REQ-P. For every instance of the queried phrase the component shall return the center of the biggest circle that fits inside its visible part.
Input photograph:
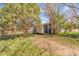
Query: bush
(69, 34)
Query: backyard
(39, 29)
(39, 45)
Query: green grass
(23, 46)
(66, 38)
(69, 34)
(71, 38)
(19, 46)
(73, 41)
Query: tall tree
(20, 15)
(52, 17)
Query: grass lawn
(70, 38)
(70, 41)
(23, 46)
(19, 46)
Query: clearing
(39, 45)
(56, 45)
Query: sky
(65, 10)
(1, 4)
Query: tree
(19, 15)
(69, 26)
(51, 14)
(60, 21)
(75, 18)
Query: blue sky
(67, 11)
(1, 4)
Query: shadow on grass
(7, 37)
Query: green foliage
(69, 25)
(69, 34)
(19, 46)
(19, 15)
(70, 41)
(64, 24)
(60, 19)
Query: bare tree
(74, 9)
(51, 15)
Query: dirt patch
(53, 47)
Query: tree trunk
(51, 13)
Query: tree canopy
(20, 15)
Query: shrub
(69, 34)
